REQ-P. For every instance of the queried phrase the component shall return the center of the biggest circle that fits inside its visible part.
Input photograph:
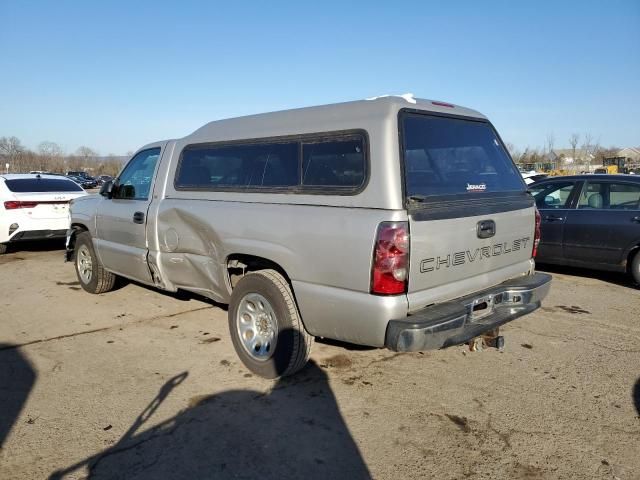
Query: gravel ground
(137, 383)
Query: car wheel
(3, 248)
(265, 325)
(635, 267)
(92, 276)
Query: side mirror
(106, 190)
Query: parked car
(83, 182)
(323, 222)
(590, 221)
(101, 179)
(533, 176)
(83, 175)
(34, 207)
(77, 173)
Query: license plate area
(483, 306)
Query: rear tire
(91, 274)
(635, 267)
(265, 325)
(3, 248)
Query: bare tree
(551, 140)
(514, 152)
(589, 148)
(84, 156)
(12, 150)
(573, 141)
(50, 156)
(11, 146)
(86, 153)
(50, 149)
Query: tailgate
(449, 259)
(471, 221)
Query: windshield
(450, 156)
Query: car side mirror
(106, 190)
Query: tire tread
(302, 340)
(105, 280)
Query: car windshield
(450, 156)
(29, 185)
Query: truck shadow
(616, 278)
(636, 396)
(181, 295)
(293, 431)
(17, 378)
(37, 245)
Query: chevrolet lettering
(460, 258)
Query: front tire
(635, 267)
(3, 248)
(91, 274)
(265, 325)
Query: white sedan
(532, 176)
(35, 207)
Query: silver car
(392, 222)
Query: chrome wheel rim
(257, 326)
(84, 264)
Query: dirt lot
(140, 384)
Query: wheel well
(239, 264)
(77, 228)
(632, 254)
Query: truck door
(121, 220)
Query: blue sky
(115, 75)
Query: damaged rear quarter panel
(315, 244)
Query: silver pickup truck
(391, 222)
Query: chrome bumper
(458, 321)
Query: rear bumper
(455, 322)
(37, 235)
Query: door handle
(636, 219)
(553, 218)
(138, 217)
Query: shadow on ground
(345, 345)
(17, 378)
(37, 245)
(616, 278)
(181, 295)
(293, 431)
(636, 396)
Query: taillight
(12, 205)
(390, 272)
(536, 235)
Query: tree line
(50, 157)
(585, 151)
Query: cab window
(134, 183)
